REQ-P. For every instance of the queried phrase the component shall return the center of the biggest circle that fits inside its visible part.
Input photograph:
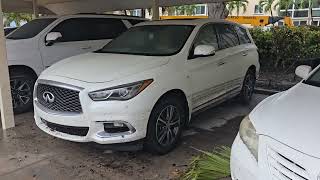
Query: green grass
(210, 165)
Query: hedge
(284, 47)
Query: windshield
(31, 29)
(314, 80)
(150, 40)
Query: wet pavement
(26, 153)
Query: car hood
(292, 117)
(104, 67)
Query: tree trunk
(218, 10)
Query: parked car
(44, 41)
(8, 30)
(146, 83)
(279, 139)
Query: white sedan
(146, 83)
(280, 138)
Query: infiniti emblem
(48, 97)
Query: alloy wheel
(21, 92)
(168, 125)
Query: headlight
(120, 93)
(249, 136)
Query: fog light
(115, 127)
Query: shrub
(283, 47)
(214, 165)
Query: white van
(44, 41)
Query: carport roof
(90, 6)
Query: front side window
(31, 29)
(228, 36)
(314, 80)
(84, 29)
(243, 35)
(207, 36)
(150, 40)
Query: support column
(155, 10)
(35, 8)
(6, 109)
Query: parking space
(28, 153)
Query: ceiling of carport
(90, 6)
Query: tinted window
(228, 36)
(8, 30)
(135, 21)
(31, 29)
(243, 35)
(207, 36)
(150, 40)
(83, 29)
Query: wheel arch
(23, 69)
(182, 95)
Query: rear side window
(227, 36)
(84, 29)
(243, 35)
(135, 21)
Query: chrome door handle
(221, 63)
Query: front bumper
(93, 117)
(276, 161)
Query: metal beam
(5, 91)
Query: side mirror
(52, 37)
(204, 51)
(303, 71)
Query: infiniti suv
(146, 83)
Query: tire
(22, 85)
(163, 124)
(248, 87)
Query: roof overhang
(90, 6)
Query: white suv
(146, 83)
(44, 41)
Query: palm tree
(284, 4)
(237, 5)
(267, 5)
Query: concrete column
(155, 10)
(6, 109)
(35, 8)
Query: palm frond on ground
(210, 165)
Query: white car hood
(103, 67)
(293, 118)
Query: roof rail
(120, 15)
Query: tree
(267, 5)
(186, 9)
(218, 10)
(284, 4)
(17, 18)
(237, 5)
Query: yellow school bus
(249, 20)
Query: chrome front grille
(65, 100)
(283, 168)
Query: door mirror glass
(204, 50)
(303, 71)
(52, 37)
